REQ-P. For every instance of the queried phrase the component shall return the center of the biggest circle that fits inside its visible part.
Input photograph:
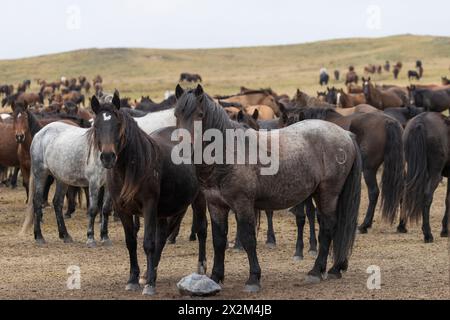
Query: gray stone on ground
(198, 285)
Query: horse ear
(178, 91)
(240, 116)
(198, 91)
(116, 99)
(95, 104)
(255, 114)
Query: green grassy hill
(284, 68)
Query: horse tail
(347, 211)
(29, 213)
(392, 181)
(417, 171)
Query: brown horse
(264, 112)
(344, 100)
(351, 76)
(8, 146)
(354, 89)
(253, 98)
(381, 99)
(303, 100)
(380, 139)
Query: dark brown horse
(427, 151)
(351, 76)
(190, 77)
(381, 99)
(434, 99)
(153, 187)
(380, 139)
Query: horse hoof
(313, 253)
(107, 243)
(201, 268)
(429, 239)
(91, 243)
(132, 287)
(252, 288)
(149, 290)
(298, 258)
(334, 276)
(312, 279)
(40, 242)
(68, 239)
(362, 230)
(444, 234)
(402, 230)
(67, 216)
(271, 245)
(192, 237)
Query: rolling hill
(284, 68)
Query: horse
(63, 151)
(335, 183)
(74, 96)
(343, 100)
(303, 100)
(413, 75)
(387, 66)
(324, 78)
(427, 143)
(354, 89)
(154, 186)
(263, 112)
(148, 105)
(445, 81)
(190, 77)
(370, 69)
(351, 76)
(381, 99)
(8, 146)
(435, 99)
(397, 68)
(403, 115)
(253, 98)
(380, 139)
(337, 75)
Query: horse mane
(214, 116)
(230, 104)
(33, 123)
(136, 155)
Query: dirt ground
(409, 268)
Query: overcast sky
(30, 27)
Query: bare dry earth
(410, 269)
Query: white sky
(30, 27)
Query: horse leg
(370, 177)
(58, 202)
(150, 248)
(106, 209)
(13, 178)
(39, 182)
(429, 192)
(48, 183)
(174, 227)
(200, 228)
(237, 240)
(444, 232)
(71, 206)
(299, 212)
(219, 224)
(271, 241)
(310, 213)
(92, 213)
(192, 236)
(247, 232)
(131, 241)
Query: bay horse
(351, 77)
(380, 139)
(381, 99)
(344, 100)
(334, 184)
(427, 150)
(154, 186)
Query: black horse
(403, 115)
(413, 75)
(427, 152)
(154, 186)
(437, 100)
(324, 78)
(190, 77)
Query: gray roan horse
(63, 151)
(315, 158)
(143, 180)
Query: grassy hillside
(284, 68)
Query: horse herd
(121, 156)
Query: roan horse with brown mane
(304, 170)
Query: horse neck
(217, 118)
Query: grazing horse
(413, 75)
(380, 140)
(63, 151)
(381, 99)
(304, 170)
(435, 99)
(154, 186)
(190, 77)
(427, 151)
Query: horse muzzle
(108, 159)
(20, 138)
